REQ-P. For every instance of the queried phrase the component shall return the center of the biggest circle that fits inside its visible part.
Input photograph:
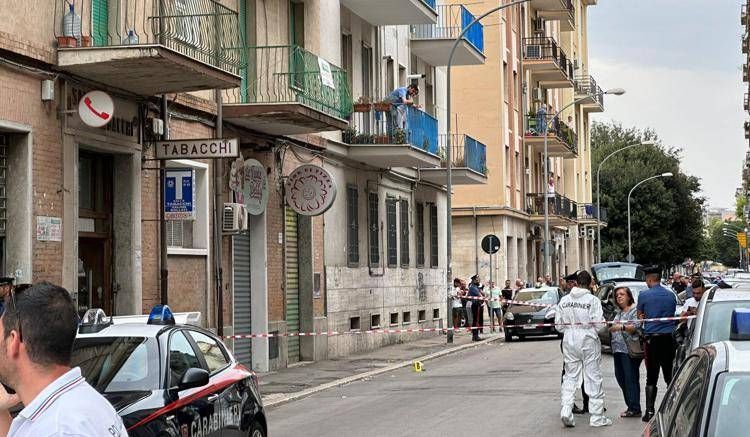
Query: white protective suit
(581, 351)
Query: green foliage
(666, 213)
(724, 249)
(739, 209)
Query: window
(690, 404)
(374, 321)
(670, 404)
(422, 315)
(436, 314)
(389, 74)
(420, 234)
(181, 357)
(117, 364)
(407, 317)
(354, 324)
(394, 319)
(366, 70)
(392, 240)
(373, 230)
(729, 412)
(212, 352)
(346, 57)
(433, 236)
(190, 237)
(352, 218)
(180, 233)
(404, 220)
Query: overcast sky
(681, 64)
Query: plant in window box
(363, 105)
(350, 133)
(383, 106)
(443, 156)
(399, 136)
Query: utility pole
(163, 260)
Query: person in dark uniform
(657, 302)
(569, 283)
(6, 285)
(476, 307)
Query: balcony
(394, 12)
(433, 42)
(587, 214)
(745, 75)
(384, 136)
(548, 62)
(562, 140)
(469, 162)
(747, 102)
(560, 10)
(591, 93)
(150, 48)
(289, 91)
(562, 211)
(746, 43)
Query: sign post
(490, 246)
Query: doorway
(95, 236)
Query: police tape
(453, 329)
(504, 301)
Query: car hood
(121, 400)
(528, 310)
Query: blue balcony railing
(466, 152)
(452, 20)
(430, 3)
(382, 123)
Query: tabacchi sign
(310, 190)
(198, 149)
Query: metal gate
(292, 284)
(241, 281)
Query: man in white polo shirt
(37, 330)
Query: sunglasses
(13, 291)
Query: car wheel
(256, 430)
(508, 337)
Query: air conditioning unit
(533, 51)
(537, 94)
(592, 233)
(582, 232)
(235, 218)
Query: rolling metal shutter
(292, 284)
(241, 281)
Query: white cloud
(697, 110)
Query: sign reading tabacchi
(198, 149)
(310, 190)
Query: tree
(666, 213)
(725, 249)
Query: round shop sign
(96, 108)
(310, 190)
(255, 187)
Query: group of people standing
(469, 301)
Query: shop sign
(198, 149)
(120, 118)
(179, 194)
(255, 187)
(96, 108)
(310, 190)
(48, 228)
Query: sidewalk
(307, 378)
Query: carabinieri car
(168, 379)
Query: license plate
(529, 327)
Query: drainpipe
(476, 239)
(218, 209)
(163, 261)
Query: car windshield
(729, 411)
(117, 364)
(537, 296)
(716, 323)
(619, 271)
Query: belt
(658, 335)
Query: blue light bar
(740, 325)
(161, 315)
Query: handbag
(634, 343)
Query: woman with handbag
(627, 349)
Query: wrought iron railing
(291, 74)
(571, 10)
(452, 20)
(546, 48)
(587, 85)
(589, 212)
(384, 123)
(559, 205)
(204, 30)
(747, 102)
(466, 152)
(535, 127)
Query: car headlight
(509, 316)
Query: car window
(670, 405)
(717, 320)
(729, 410)
(117, 364)
(549, 296)
(691, 400)
(603, 293)
(212, 351)
(181, 357)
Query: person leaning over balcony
(399, 99)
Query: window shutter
(433, 236)
(373, 229)
(390, 210)
(100, 22)
(420, 234)
(404, 216)
(352, 216)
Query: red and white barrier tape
(508, 301)
(424, 330)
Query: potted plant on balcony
(350, 134)
(399, 136)
(382, 106)
(364, 104)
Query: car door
(609, 311)
(229, 380)
(686, 423)
(670, 406)
(198, 413)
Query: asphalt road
(492, 390)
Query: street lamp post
(598, 195)
(630, 243)
(547, 251)
(449, 163)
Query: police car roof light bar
(161, 315)
(740, 325)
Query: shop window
(190, 237)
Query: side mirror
(193, 377)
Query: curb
(270, 402)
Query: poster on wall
(48, 228)
(255, 187)
(179, 194)
(326, 74)
(310, 190)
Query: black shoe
(577, 410)
(650, 402)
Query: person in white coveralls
(581, 350)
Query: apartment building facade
(297, 83)
(537, 65)
(744, 190)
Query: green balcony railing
(291, 74)
(204, 30)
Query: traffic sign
(742, 237)
(490, 244)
